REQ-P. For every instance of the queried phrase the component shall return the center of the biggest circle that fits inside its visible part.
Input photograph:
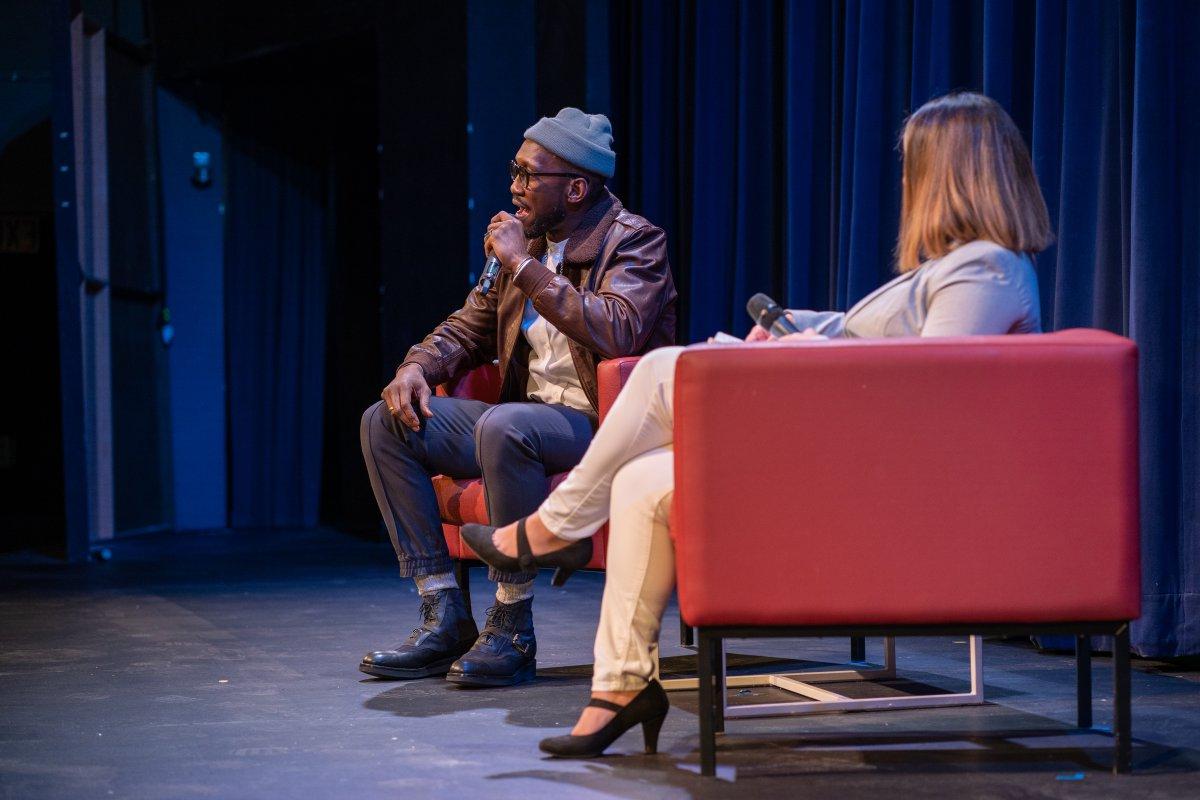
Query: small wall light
(201, 169)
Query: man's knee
(370, 418)
(501, 430)
(374, 424)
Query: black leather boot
(447, 631)
(504, 654)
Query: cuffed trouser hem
(627, 683)
(420, 567)
(510, 577)
(563, 525)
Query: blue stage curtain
(762, 135)
(276, 284)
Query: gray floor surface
(224, 665)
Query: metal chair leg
(708, 741)
(718, 654)
(687, 635)
(1083, 680)
(1123, 744)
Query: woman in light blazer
(971, 216)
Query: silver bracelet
(521, 266)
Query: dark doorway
(31, 475)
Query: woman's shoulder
(980, 259)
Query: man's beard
(544, 222)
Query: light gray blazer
(976, 288)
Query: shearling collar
(584, 243)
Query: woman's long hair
(967, 176)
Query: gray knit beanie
(584, 140)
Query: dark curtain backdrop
(276, 287)
(762, 136)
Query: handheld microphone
(490, 270)
(767, 314)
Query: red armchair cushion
(942, 481)
(462, 500)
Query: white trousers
(627, 477)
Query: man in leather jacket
(582, 279)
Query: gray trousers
(514, 447)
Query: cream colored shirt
(552, 375)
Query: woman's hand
(807, 334)
(760, 334)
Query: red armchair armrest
(611, 376)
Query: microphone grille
(763, 310)
(757, 304)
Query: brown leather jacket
(614, 296)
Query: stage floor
(225, 665)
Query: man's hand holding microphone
(505, 239)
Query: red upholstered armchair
(462, 500)
(890, 487)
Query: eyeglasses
(522, 175)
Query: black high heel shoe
(567, 559)
(649, 707)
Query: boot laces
(429, 606)
(501, 619)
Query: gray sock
(509, 593)
(428, 584)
